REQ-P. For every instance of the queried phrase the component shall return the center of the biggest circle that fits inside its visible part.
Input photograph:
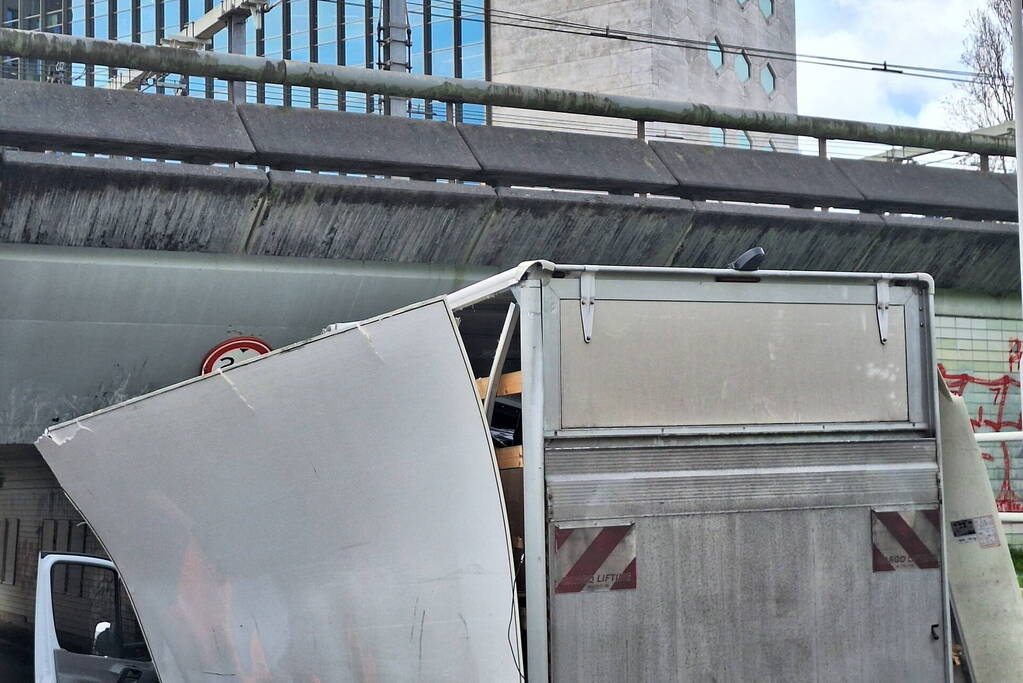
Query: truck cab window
(98, 619)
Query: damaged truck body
(718, 475)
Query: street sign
(231, 351)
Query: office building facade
(670, 49)
(733, 53)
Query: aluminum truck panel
(780, 596)
(988, 603)
(605, 482)
(327, 512)
(657, 363)
(741, 477)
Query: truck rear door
(741, 478)
(328, 512)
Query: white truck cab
(85, 626)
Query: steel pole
(395, 43)
(1017, 102)
(236, 45)
(56, 47)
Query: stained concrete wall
(530, 57)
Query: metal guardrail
(232, 67)
(992, 437)
(988, 437)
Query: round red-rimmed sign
(231, 351)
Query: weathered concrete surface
(705, 172)
(73, 201)
(570, 227)
(934, 191)
(89, 202)
(1007, 179)
(980, 257)
(794, 239)
(88, 328)
(290, 138)
(356, 219)
(39, 116)
(521, 156)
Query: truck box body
(746, 436)
(726, 476)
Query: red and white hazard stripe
(905, 539)
(594, 558)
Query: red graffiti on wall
(1007, 499)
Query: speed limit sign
(231, 351)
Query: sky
(917, 32)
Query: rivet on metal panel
(587, 299)
(883, 300)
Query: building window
(66, 535)
(448, 38)
(742, 67)
(767, 7)
(9, 550)
(744, 141)
(717, 136)
(768, 78)
(716, 53)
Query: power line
(574, 28)
(475, 13)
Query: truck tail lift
(719, 475)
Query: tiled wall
(979, 358)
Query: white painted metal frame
(500, 355)
(998, 437)
(529, 295)
(505, 280)
(46, 642)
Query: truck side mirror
(104, 641)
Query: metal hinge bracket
(883, 302)
(587, 300)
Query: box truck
(719, 475)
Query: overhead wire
(576, 28)
(528, 21)
(450, 9)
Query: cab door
(85, 627)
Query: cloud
(914, 32)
